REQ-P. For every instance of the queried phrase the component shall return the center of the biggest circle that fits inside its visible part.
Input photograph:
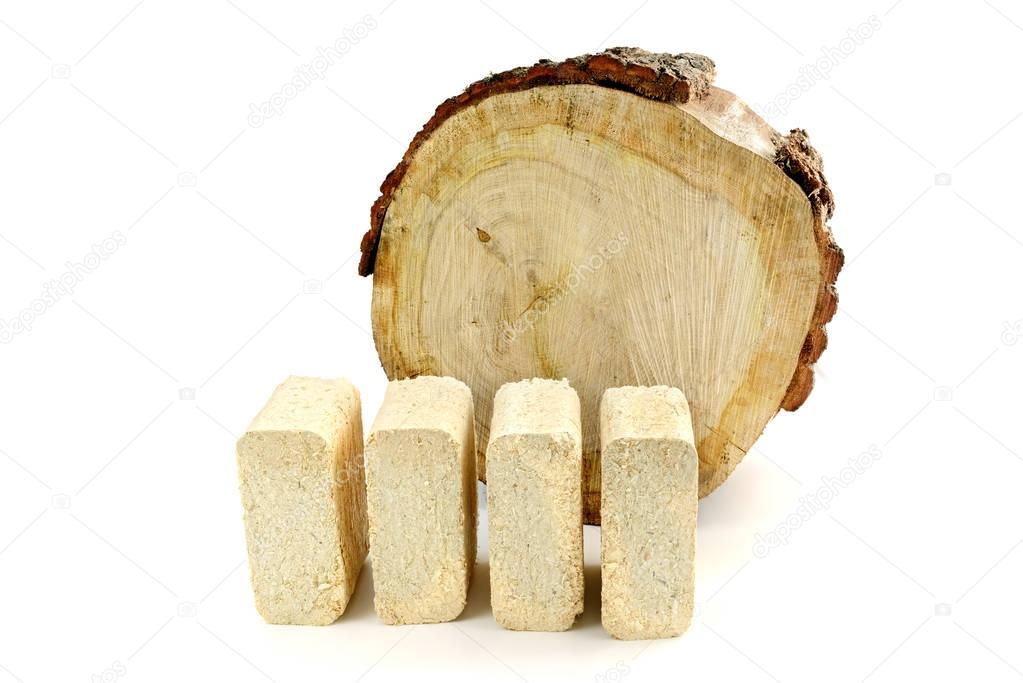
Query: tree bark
(614, 219)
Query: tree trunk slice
(616, 220)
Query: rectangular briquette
(303, 492)
(648, 498)
(534, 504)
(421, 493)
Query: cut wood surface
(612, 219)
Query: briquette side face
(301, 482)
(534, 503)
(421, 488)
(649, 503)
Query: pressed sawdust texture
(534, 505)
(300, 470)
(648, 503)
(421, 492)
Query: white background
(121, 545)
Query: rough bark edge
(658, 76)
(803, 164)
(665, 77)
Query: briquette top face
(657, 412)
(309, 404)
(426, 403)
(536, 407)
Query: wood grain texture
(612, 219)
